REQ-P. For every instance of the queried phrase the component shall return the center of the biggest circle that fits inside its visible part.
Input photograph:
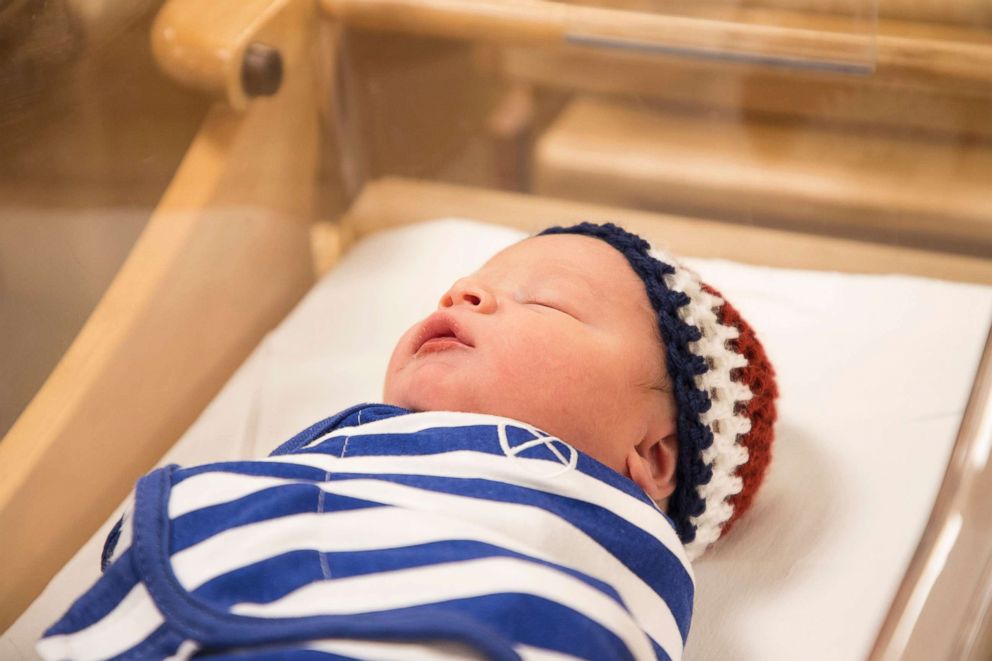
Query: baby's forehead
(585, 261)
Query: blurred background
(90, 135)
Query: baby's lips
(441, 324)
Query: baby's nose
(472, 293)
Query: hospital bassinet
(761, 133)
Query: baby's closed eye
(554, 307)
(558, 307)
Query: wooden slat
(962, 12)
(224, 257)
(923, 192)
(392, 202)
(920, 54)
(856, 101)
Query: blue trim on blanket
(98, 601)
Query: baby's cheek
(537, 353)
(549, 365)
(396, 360)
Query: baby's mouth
(439, 332)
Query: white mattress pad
(874, 373)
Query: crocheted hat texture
(723, 384)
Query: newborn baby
(574, 423)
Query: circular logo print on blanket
(538, 453)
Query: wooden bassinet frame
(227, 254)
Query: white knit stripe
(129, 623)
(413, 422)
(728, 393)
(209, 489)
(427, 516)
(457, 580)
(725, 455)
(375, 650)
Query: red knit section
(759, 376)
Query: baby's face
(555, 331)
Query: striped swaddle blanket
(380, 533)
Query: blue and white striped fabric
(380, 533)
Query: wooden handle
(231, 49)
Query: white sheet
(874, 373)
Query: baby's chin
(440, 398)
(438, 385)
(427, 395)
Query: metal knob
(261, 70)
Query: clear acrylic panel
(831, 35)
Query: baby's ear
(651, 465)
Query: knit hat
(723, 384)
